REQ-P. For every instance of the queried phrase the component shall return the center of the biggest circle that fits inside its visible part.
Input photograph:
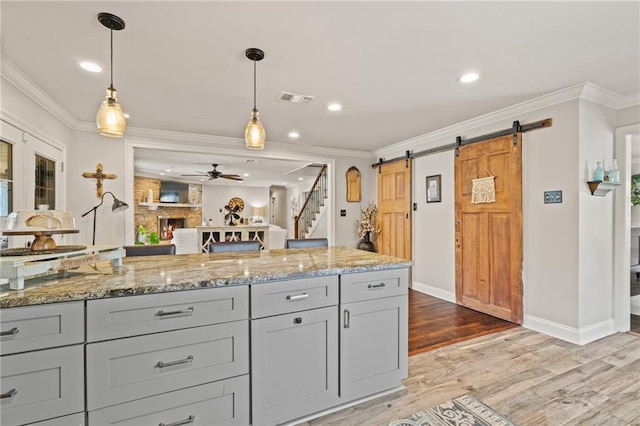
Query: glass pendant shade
(110, 117)
(255, 135)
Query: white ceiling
(393, 65)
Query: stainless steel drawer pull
(187, 311)
(162, 364)
(298, 296)
(347, 318)
(9, 394)
(186, 421)
(381, 285)
(12, 332)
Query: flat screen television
(174, 192)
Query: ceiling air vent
(295, 98)
(251, 161)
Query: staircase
(313, 201)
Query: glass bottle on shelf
(614, 173)
(598, 173)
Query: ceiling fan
(215, 174)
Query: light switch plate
(552, 197)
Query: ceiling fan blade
(201, 174)
(233, 177)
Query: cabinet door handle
(186, 421)
(298, 296)
(347, 318)
(162, 364)
(381, 285)
(9, 394)
(188, 311)
(12, 332)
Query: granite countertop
(158, 274)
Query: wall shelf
(602, 188)
(154, 206)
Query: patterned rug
(463, 411)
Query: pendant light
(254, 135)
(110, 117)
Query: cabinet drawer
(221, 403)
(39, 327)
(138, 367)
(373, 285)
(292, 296)
(41, 385)
(152, 313)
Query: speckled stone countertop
(158, 274)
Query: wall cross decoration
(99, 176)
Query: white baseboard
(580, 336)
(635, 305)
(449, 296)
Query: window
(45, 192)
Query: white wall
(89, 149)
(346, 230)
(628, 116)
(278, 209)
(215, 197)
(434, 228)
(595, 246)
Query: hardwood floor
(434, 323)
(531, 378)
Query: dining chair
(306, 243)
(231, 246)
(149, 250)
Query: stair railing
(312, 202)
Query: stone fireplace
(166, 226)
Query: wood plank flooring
(435, 322)
(531, 378)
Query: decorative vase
(366, 243)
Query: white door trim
(622, 229)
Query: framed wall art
(433, 189)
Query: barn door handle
(12, 332)
(347, 319)
(186, 421)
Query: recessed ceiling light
(246, 175)
(167, 170)
(294, 134)
(300, 178)
(201, 180)
(90, 66)
(334, 107)
(126, 115)
(469, 77)
(161, 174)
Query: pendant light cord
(111, 31)
(254, 84)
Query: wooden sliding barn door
(488, 236)
(394, 209)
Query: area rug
(463, 411)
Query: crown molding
(587, 90)
(232, 145)
(22, 82)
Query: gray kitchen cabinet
(40, 385)
(294, 348)
(38, 327)
(294, 365)
(373, 332)
(224, 403)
